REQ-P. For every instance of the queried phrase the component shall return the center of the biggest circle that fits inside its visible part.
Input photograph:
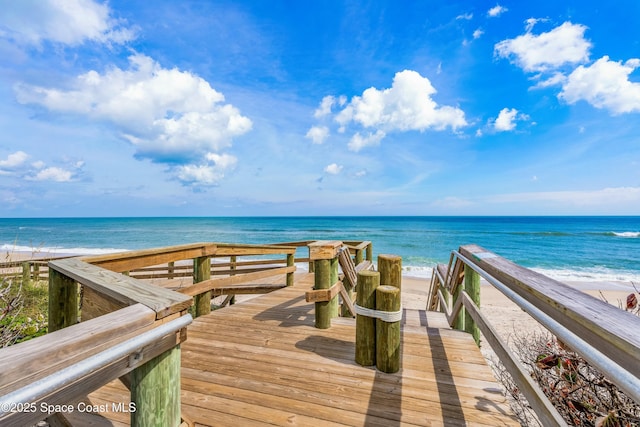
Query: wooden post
(322, 280)
(368, 282)
(171, 268)
(390, 268)
(290, 263)
(359, 256)
(36, 272)
(233, 267)
(63, 301)
(155, 390)
(370, 252)
(26, 273)
(202, 272)
(324, 255)
(334, 304)
(472, 288)
(387, 333)
(459, 320)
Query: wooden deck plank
(262, 362)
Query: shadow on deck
(262, 362)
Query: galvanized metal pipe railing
(42, 388)
(627, 382)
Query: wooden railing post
(155, 391)
(390, 268)
(368, 282)
(290, 263)
(324, 255)
(472, 288)
(370, 252)
(171, 268)
(26, 273)
(388, 333)
(359, 256)
(233, 259)
(202, 272)
(63, 301)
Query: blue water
(566, 248)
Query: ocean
(564, 248)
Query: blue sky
(226, 108)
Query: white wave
(58, 250)
(627, 234)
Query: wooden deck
(263, 362)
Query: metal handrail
(43, 387)
(620, 376)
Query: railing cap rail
(613, 331)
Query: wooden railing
(128, 328)
(605, 336)
(133, 333)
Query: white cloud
(333, 169)
(209, 173)
(604, 84)
(53, 174)
(531, 22)
(325, 106)
(562, 45)
(318, 134)
(361, 173)
(14, 160)
(506, 119)
(497, 10)
(478, 33)
(358, 142)
(170, 115)
(407, 105)
(70, 22)
(465, 16)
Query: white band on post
(385, 316)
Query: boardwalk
(263, 362)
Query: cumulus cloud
(604, 84)
(496, 11)
(69, 22)
(327, 103)
(562, 45)
(318, 134)
(506, 119)
(170, 116)
(211, 172)
(13, 160)
(16, 165)
(478, 33)
(407, 105)
(53, 174)
(333, 169)
(358, 142)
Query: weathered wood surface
(124, 289)
(262, 362)
(21, 363)
(127, 261)
(231, 282)
(614, 332)
(324, 249)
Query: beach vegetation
(582, 395)
(23, 310)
